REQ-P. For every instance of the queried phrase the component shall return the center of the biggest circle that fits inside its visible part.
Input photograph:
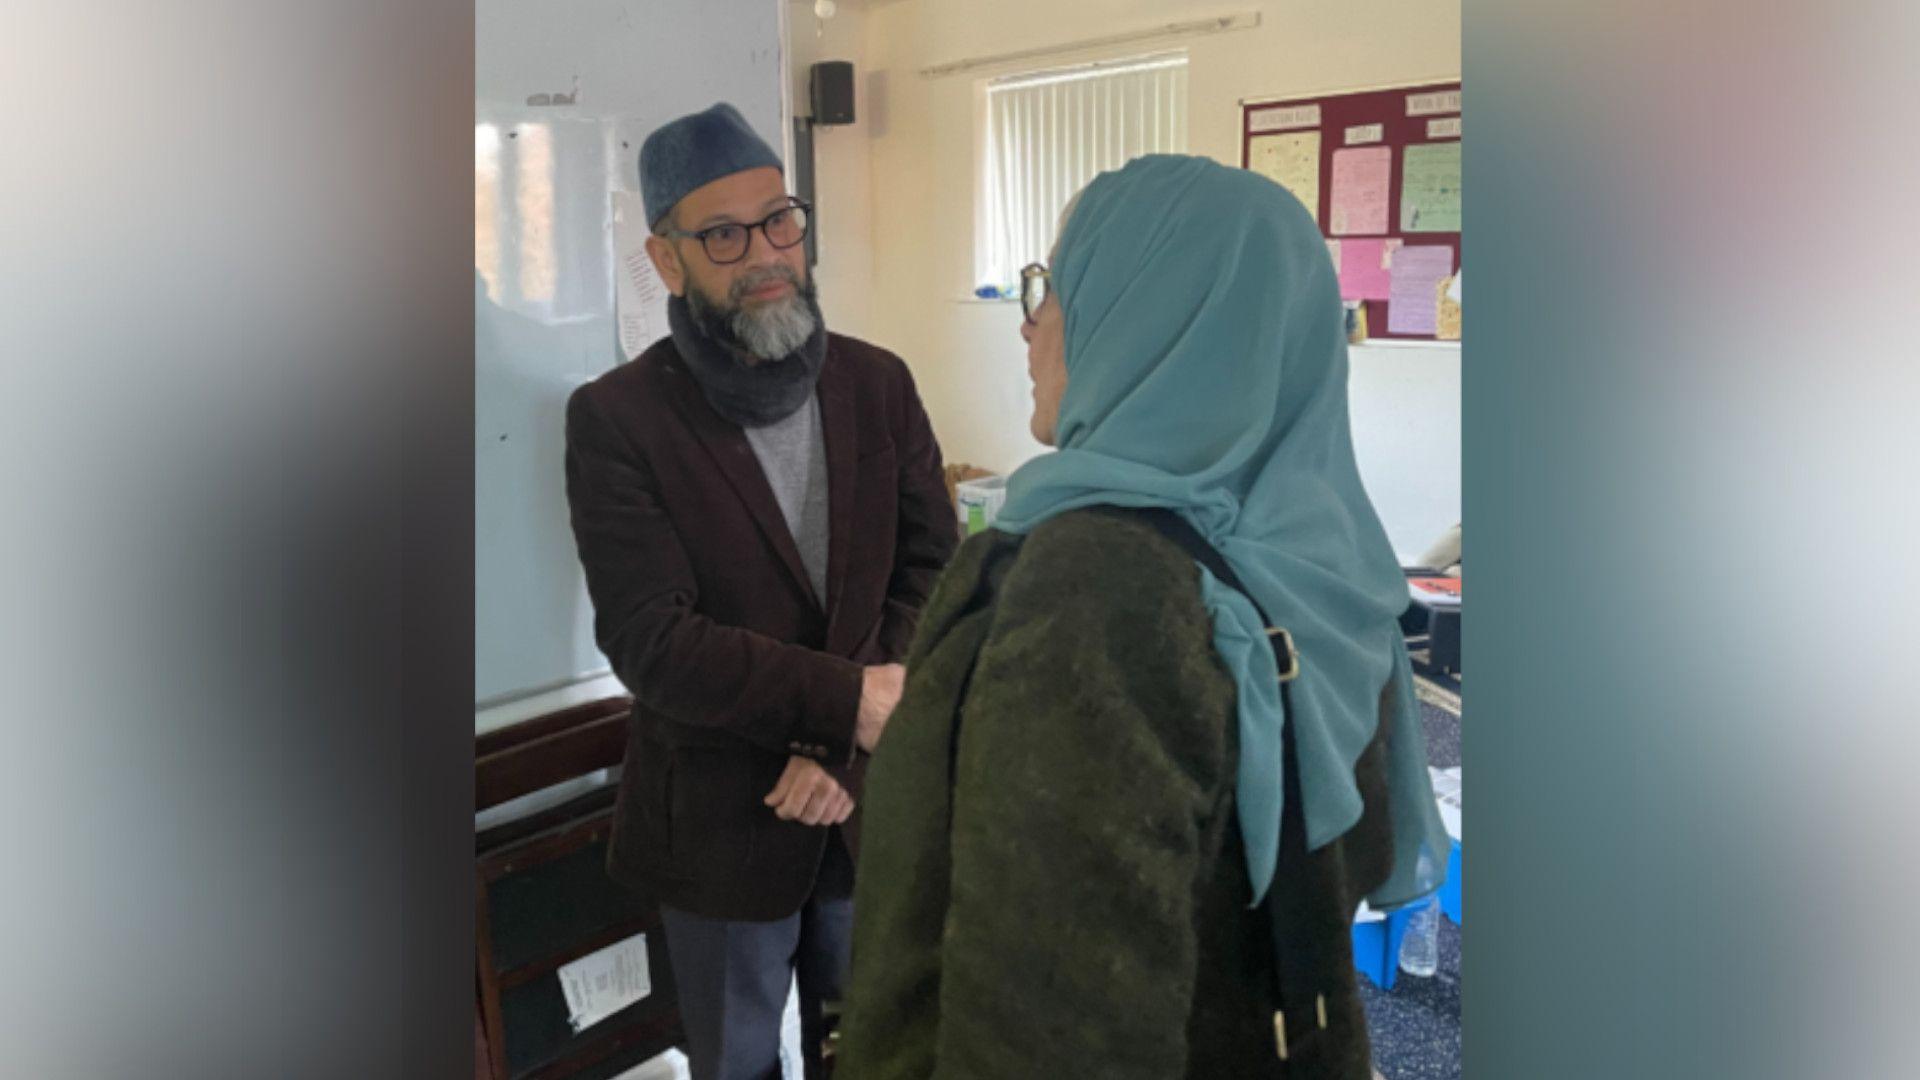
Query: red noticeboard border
(1386, 106)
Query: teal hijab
(1206, 364)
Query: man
(759, 507)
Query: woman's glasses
(728, 242)
(1035, 282)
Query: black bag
(1301, 957)
(1319, 1027)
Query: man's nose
(1026, 331)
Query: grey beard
(774, 331)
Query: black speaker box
(832, 83)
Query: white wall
(917, 138)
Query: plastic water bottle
(1420, 949)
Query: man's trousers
(732, 977)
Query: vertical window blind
(1048, 133)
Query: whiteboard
(564, 95)
(1404, 400)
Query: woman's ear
(667, 262)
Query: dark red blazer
(704, 608)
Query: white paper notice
(1444, 129)
(669, 1064)
(600, 984)
(639, 294)
(1447, 101)
(1286, 119)
(1366, 133)
(1446, 793)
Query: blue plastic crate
(1376, 945)
(1450, 892)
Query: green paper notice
(1430, 189)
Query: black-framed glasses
(1035, 282)
(728, 241)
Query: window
(1049, 132)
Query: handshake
(806, 792)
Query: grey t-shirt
(793, 454)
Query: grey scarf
(750, 395)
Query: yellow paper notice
(1291, 160)
(1447, 325)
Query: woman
(1094, 848)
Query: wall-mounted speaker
(832, 86)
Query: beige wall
(916, 140)
(843, 175)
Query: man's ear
(667, 262)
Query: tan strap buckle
(1280, 1023)
(1293, 654)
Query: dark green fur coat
(1057, 890)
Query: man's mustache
(754, 279)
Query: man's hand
(807, 794)
(879, 692)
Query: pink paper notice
(1362, 179)
(1418, 270)
(1362, 277)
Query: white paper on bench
(602, 983)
